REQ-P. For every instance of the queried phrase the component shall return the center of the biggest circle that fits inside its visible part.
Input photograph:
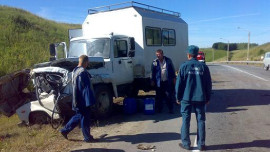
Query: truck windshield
(90, 47)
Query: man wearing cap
(163, 78)
(193, 89)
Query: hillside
(255, 54)
(25, 38)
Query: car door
(122, 64)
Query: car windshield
(90, 47)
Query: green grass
(30, 139)
(25, 38)
(255, 54)
(219, 55)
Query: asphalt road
(238, 118)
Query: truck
(121, 41)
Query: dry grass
(41, 138)
(31, 139)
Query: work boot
(202, 148)
(64, 135)
(91, 140)
(184, 147)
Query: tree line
(232, 46)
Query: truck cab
(120, 43)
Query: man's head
(159, 54)
(192, 51)
(83, 61)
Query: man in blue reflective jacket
(163, 78)
(193, 89)
(83, 98)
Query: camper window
(153, 36)
(168, 37)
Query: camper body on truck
(121, 45)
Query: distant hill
(25, 38)
(255, 53)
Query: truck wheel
(39, 118)
(104, 101)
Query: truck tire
(39, 118)
(104, 101)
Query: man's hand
(207, 102)
(178, 102)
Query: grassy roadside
(214, 55)
(255, 54)
(31, 139)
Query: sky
(209, 21)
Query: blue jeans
(199, 109)
(82, 116)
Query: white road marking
(195, 144)
(245, 72)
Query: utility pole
(248, 41)
(248, 45)
(213, 54)
(228, 47)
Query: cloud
(64, 16)
(45, 13)
(225, 17)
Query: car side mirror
(52, 49)
(131, 43)
(52, 52)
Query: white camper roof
(141, 8)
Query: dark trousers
(199, 109)
(82, 116)
(164, 92)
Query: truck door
(122, 64)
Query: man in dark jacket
(83, 98)
(193, 89)
(163, 78)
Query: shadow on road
(143, 138)
(255, 144)
(229, 100)
(98, 150)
